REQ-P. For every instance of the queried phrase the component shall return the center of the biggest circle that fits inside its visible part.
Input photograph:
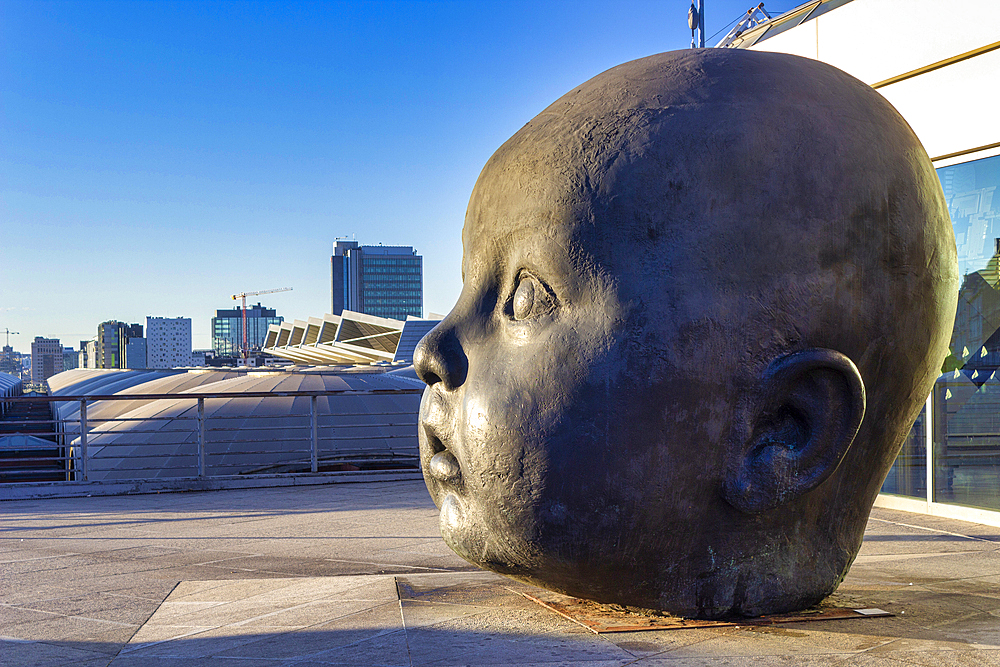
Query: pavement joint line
(141, 625)
(222, 583)
(936, 530)
(125, 648)
(409, 567)
(223, 560)
(56, 613)
(402, 621)
(878, 558)
(28, 560)
(893, 640)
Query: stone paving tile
(47, 654)
(942, 567)
(925, 521)
(187, 661)
(161, 632)
(461, 643)
(983, 587)
(827, 660)
(17, 568)
(17, 591)
(330, 636)
(957, 658)
(76, 582)
(101, 606)
(417, 613)
(312, 567)
(306, 614)
(199, 572)
(73, 629)
(384, 650)
(294, 591)
(746, 642)
(11, 615)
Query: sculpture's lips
(443, 466)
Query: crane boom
(9, 332)
(243, 296)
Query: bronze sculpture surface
(705, 295)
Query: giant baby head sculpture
(705, 296)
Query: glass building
(384, 281)
(946, 89)
(965, 404)
(227, 329)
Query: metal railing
(203, 435)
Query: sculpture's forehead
(522, 197)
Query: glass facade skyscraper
(227, 329)
(385, 281)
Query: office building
(10, 361)
(384, 281)
(71, 359)
(87, 356)
(168, 342)
(227, 329)
(46, 359)
(135, 353)
(113, 343)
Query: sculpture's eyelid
(543, 297)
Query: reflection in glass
(908, 476)
(967, 438)
(966, 397)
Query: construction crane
(9, 332)
(244, 295)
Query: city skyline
(159, 158)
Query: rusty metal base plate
(600, 618)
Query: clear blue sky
(157, 157)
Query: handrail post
(314, 447)
(201, 437)
(83, 438)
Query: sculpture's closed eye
(531, 298)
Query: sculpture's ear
(809, 409)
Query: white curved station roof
(157, 438)
(123, 382)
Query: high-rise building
(113, 343)
(227, 329)
(168, 342)
(46, 359)
(10, 361)
(70, 359)
(385, 281)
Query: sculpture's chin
(452, 515)
(456, 531)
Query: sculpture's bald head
(679, 280)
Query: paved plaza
(356, 574)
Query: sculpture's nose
(439, 357)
